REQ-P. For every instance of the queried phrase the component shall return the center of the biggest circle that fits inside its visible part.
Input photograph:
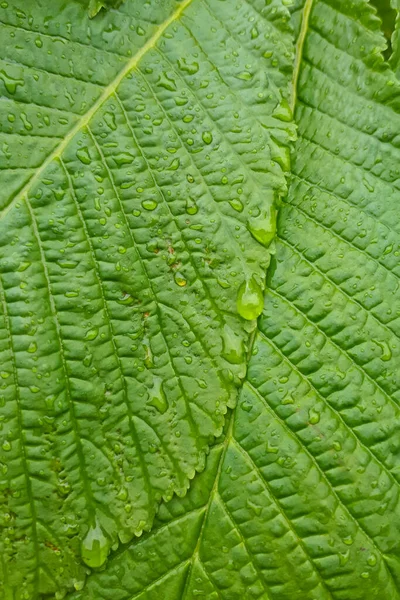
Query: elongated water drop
(283, 112)
(250, 300)
(232, 346)
(10, 83)
(263, 228)
(84, 156)
(157, 396)
(95, 547)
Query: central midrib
(107, 92)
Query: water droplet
(236, 204)
(179, 279)
(232, 346)
(190, 68)
(207, 137)
(109, 119)
(23, 266)
(124, 158)
(27, 124)
(149, 204)
(95, 547)
(167, 82)
(343, 558)
(256, 508)
(191, 206)
(245, 76)
(371, 560)
(313, 416)
(157, 396)
(92, 334)
(263, 228)
(280, 153)
(250, 300)
(283, 112)
(83, 155)
(38, 42)
(386, 353)
(6, 446)
(348, 540)
(10, 83)
(32, 348)
(254, 33)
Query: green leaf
(96, 5)
(143, 159)
(301, 501)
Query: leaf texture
(143, 162)
(301, 500)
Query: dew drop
(83, 155)
(92, 334)
(236, 204)
(157, 396)
(207, 137)
(109, 119)
(124, 158)
(95, 547)
(10, 83)
(283, 112)
(179, 279)
(250, 300)
(232, 346)
(149, 204)
(191, 206)
(263, 228)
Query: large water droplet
(95, 547)
(166, 82)
(250, 300)
(263, 227)
(283, 112)
(84, 156)
(157, 396)
(232, 346)
(124, 158)
(190, 68)
(10, 83)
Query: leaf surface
(143, 158)
(301, 501)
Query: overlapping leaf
(301, 500)
(143, 157)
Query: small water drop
(191, 206)
(250, 300)
(313, 416)
(6, 446)
(180, 279)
